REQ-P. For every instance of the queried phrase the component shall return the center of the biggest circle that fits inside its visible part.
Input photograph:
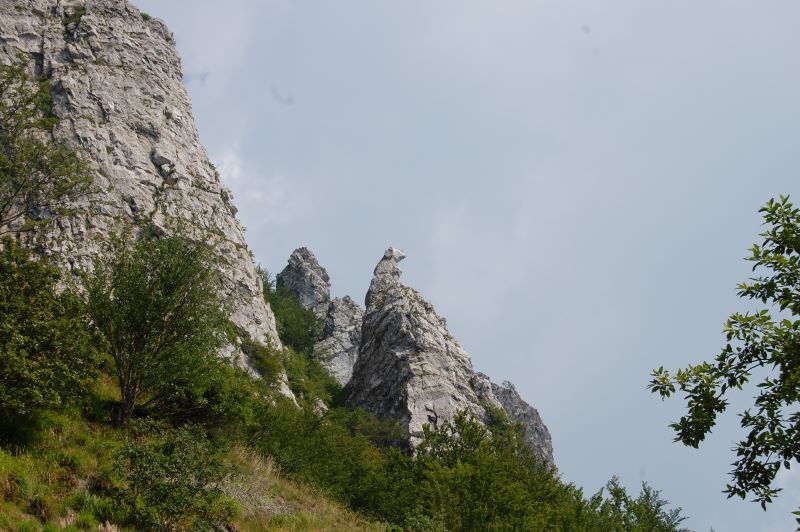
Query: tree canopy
(157, 303)
(764, 343)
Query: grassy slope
(62, 478)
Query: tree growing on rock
(157, 304)
(39, 177)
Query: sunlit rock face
(117, 89)
(411, 369)
(341, 318)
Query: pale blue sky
(575, 184)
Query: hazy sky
(575, 184)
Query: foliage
(758, 341)
(46, 353)
(298, 328)
(75, 17)
(39, 177)
(157, 304)
(646, 513)
(308, 380)
(463, 477)
(172, 479)
(265, 359)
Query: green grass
(60, 476)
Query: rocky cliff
(411, 369)
(341, 318)
(117, 90)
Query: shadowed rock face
(341, 317)
(118, 92)
(341, 336)
(411, 369)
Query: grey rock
(341, 336)
(412, 370)
(341, 318)
(117, 89)
(304, 278)
(537, 437)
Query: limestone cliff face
(411, 369)
(341, 318)
(118, 92)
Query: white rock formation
(341, 318)
(117, 89)
(411, 369)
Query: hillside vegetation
(116, 412)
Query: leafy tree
(172, 479)
(46, 353)
(646, 513)
(39, 177)
(766, 341)
(157, 304)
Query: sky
(575, 185)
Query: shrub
(46, 354)
(173, 479)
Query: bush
(172, 479)
(46, 354)
(157, 304)
(298, 328)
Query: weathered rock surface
(411, 369)
(341, 317)
(118, 92)
(537, 437)
(307, 281)
(341, 336)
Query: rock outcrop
(309, 282)
(118, 93)
(411, 369)
(341, 318)
(341, 336)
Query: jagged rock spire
(341, 318)
(411, 369)
(307, 281)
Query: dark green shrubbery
(156, 303)
(298, 328)
(464, 476)
(46, 354)
(172, 478)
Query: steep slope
(341, 318)
(411, 369)
(117, 90)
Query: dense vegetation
(115, 410)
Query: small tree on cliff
(39, 177)
(760, 342)
(157, 303)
